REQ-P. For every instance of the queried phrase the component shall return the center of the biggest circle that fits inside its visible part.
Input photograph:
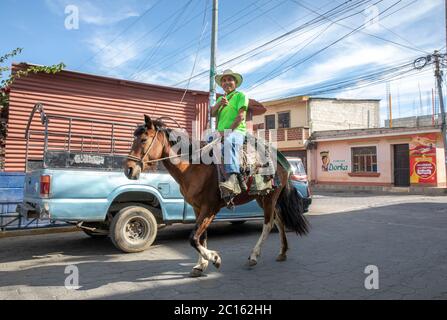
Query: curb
(37, 231)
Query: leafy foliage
(22, 73)
(7, 81)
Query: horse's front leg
(203, 221)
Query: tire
(238, 222)
(95, 235)
(133, 229)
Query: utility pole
(433, 106)
(390, 105)
(212, 98)
(438, 75)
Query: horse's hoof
(217, 262)
(281, 257)
(252, 263)
(195, 273)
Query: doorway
(401, 165)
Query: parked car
(300, 181)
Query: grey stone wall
(414, 122)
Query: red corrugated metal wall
(87, 96)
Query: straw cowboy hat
(229, 72)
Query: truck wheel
(133, 229)
(95, 235)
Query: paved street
(404, 236)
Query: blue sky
(122, 39)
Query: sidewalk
(427, 191)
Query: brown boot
(232, 184)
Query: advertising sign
(423, 159)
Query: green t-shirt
(226, 114)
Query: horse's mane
(159, 126)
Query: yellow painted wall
(297, 109)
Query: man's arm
(240, 117)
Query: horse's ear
(147, 121)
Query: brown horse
(199, 186)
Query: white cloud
(112, 55)
(357, 52)
(96, 13)
(412, 13)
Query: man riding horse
(198, 182)
(230, 110)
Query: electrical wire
(283, 37)
(300, 62)
(413, 47)
(161, 41)
(204, 24)
(139, 40)
(120, 34)
(259, 82)
(224, 35)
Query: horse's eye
(143, 140)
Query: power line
(204, 24)
(139, 39)
(120, 34)
(259, 82)
(294, 65)
(225, 34)
(369, 34)
(162, 40)
(370, 75)
(328, 46)
(394, 77)
(282, 37)
(336, 22)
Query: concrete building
(384, 157)
(297, 117)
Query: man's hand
(223, 101)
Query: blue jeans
(233, 147)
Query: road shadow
(78, 244)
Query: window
(297, 167)
(284, 120)
(270, 122)
(364, 159)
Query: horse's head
(147, 146)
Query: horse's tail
(291, 209)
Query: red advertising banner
(423, 159)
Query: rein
(141, 160)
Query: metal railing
(284, 134)
(74, 139)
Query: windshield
(297, 167)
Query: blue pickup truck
(91, 191)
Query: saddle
(257, 172)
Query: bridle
(145, 153)
(141, 160)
